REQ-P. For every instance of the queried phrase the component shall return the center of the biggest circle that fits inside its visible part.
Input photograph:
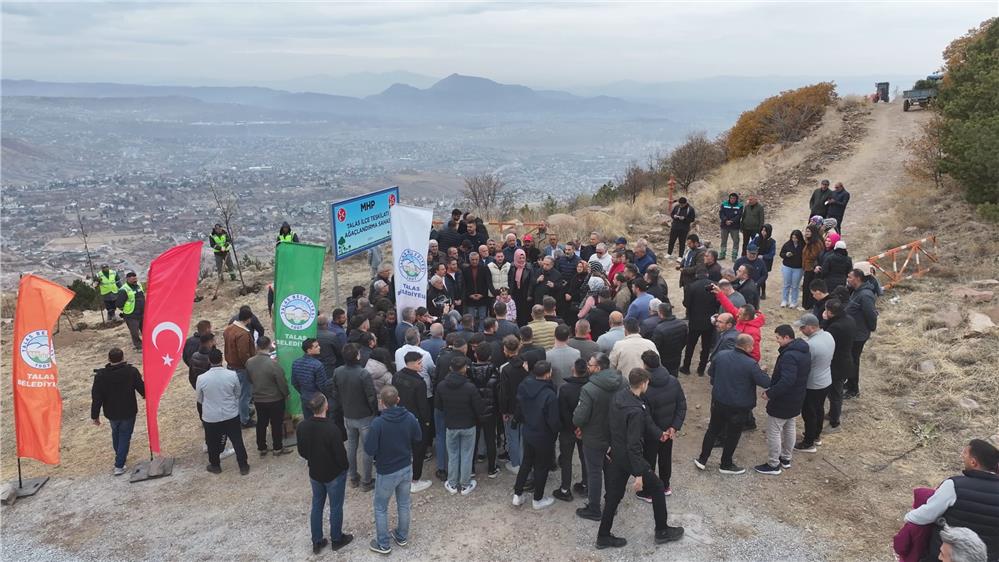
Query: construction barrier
(912, 251)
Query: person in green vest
(221, 244)
(108, 283)
(285, 234)
(132, 302)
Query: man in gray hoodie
(591, 417)
(821, 347)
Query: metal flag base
(29, 486)
(156, 468)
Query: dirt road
(819, 510)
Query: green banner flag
(298, 274)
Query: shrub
(787, 117)
(86, 297)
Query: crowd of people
(532, 349)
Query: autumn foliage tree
(787, 117)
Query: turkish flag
(173, 277)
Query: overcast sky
(544, 45)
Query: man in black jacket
(682, 216)
(321, 444)
(842, 328)
(784, 398)
(668, 408)
(670, 337)
(568, 399)
(861, 307)
(477, 288)
(700, 304)
(413, 396)
(746, 286)
(483, 374)
(353, 394)
(537, 408)
(114, 389)
(629, 425)
(462, 405)
(511, 375)
(734, 378)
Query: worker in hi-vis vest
(108, 282)
(132, 302)
(285, 234)
(221, 244)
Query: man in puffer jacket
(861, 307)
(537, 408)
(784, 399)
(459, 400)
(668, 407)
(752, 220)
(483, 374)
(591, 417)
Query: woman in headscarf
(381, 368)
(578, 290)
(522, 279)
(594, 285)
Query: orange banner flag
(37, 403)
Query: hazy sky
(564, 44)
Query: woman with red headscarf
(522, 279)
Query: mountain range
(453, 96)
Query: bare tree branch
(693, 159)
(484, 193)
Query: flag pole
(20, 483)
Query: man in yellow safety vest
(132, 302)
(221, 245)
(285, 234)
(108, 283)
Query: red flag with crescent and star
(173, 277)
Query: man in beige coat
(627, 353)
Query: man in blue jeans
(390, 443)
(354, 396)
(114, 389)
(321, 444)
(511, 375)
(462, 405)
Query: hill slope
(835, 505)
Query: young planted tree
(227, 205)
(484, 193)
(693, 159)
(90, 262)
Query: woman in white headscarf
(595, 285)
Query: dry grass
(959, 397)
